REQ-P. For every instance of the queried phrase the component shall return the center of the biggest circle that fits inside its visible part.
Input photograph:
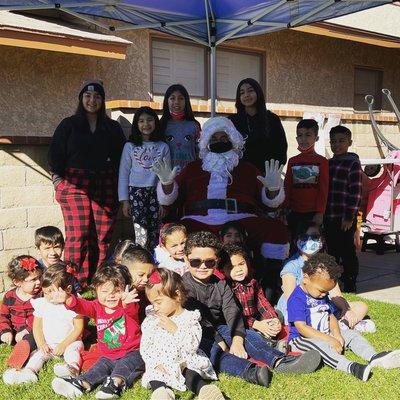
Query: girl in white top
(170, 342)
(57, 331)
(169, 253)
(137, 183)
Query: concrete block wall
(26, 202)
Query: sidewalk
(379, 277)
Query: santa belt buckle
(231, 206)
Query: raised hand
(272, 180)
(129, 296)
(162, 169)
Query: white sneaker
(67, 387)
(365, 326)
(386, 359)
(163, 393)
(15, 377)
(64, 371)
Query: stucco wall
(39, 88)
(303, 68)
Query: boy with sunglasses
(225, 339)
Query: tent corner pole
(213, 79)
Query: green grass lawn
(323, 384)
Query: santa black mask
(220, 147)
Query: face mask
(309, 246)
(307, 150)
(220, 147)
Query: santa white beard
(220, 164)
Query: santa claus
(220, 187)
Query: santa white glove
(272, 180)
(162, 169)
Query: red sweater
(15, 314)
(117, 333)
(307, 183)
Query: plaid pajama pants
(89, 204)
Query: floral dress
(173, 351)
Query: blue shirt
(293, 266)
(314, 312)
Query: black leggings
(193, 381)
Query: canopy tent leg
(213, 79)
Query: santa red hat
(220, 124)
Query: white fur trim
(166, 199)
(275, 251)
(219, 124)
(276, 201)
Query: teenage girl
(179, 126)
(170, 342)
(263, 130)
(137, 183)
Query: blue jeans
(224, 361)
(128, 368)
(255, 345)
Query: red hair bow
(155, 278)
(28, 264)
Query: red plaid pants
(89, 204)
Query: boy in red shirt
(306, 180)
(116, 314)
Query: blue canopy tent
(208, 22)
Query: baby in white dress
(170, 342)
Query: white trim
(166, 199)
(276, 201)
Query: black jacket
(217, 305)
(74, 146)
(265, 140)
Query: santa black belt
(230, 205)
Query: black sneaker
(304, 364)
(360, 371)
(386, 359)
(258, 375)
(68, 387)
(109, 390)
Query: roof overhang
(32, 33)
(347, 33)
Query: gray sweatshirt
(136, 161)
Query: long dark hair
(136, 137)
(260, 103)
(166, 115)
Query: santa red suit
(221, 188)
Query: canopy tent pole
(213, 79)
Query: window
(367, 81)
(174, 62)
(232, 67)
(177, 62)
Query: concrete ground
(379, 277)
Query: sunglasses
(197, 262)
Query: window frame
(379, 70)
(207, 81)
